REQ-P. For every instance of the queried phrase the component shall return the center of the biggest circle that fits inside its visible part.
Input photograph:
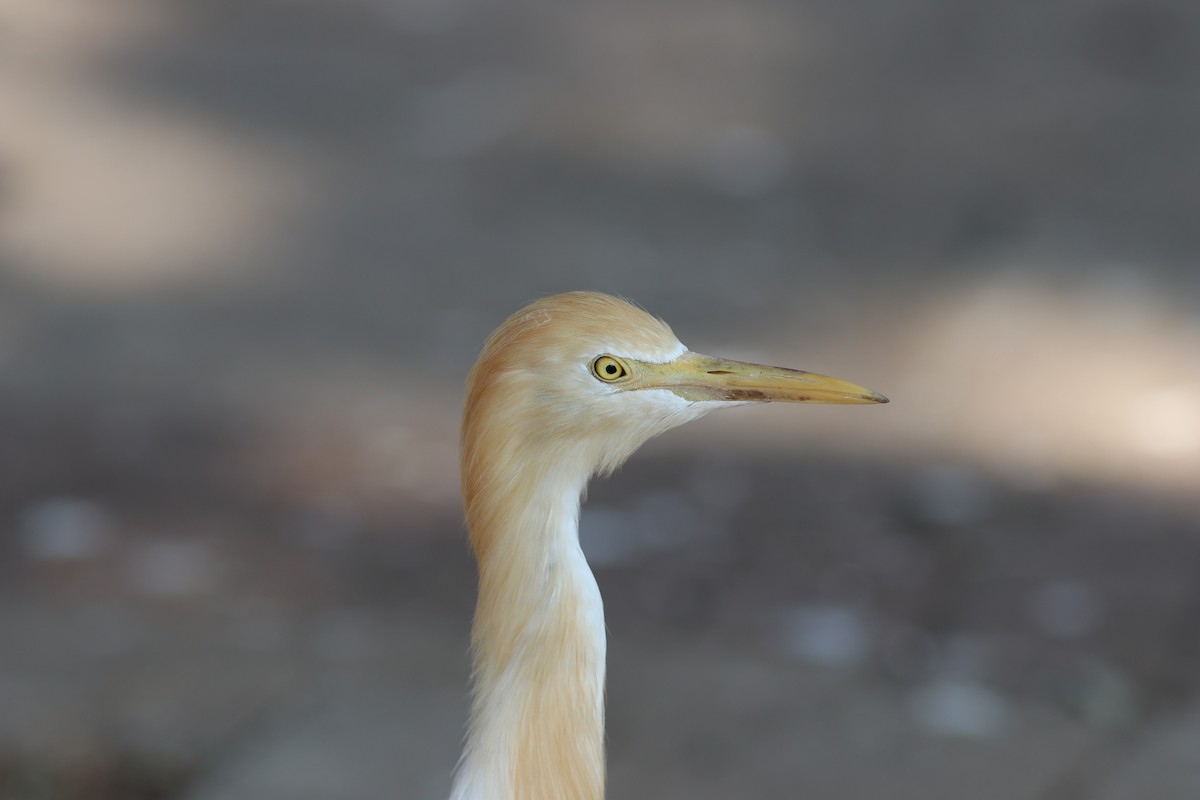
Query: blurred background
(249, 251)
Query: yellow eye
(609, 369)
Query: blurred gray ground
(248, 251)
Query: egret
(567, 388)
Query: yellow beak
(696, 377)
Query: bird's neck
(537, 717)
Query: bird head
(583, 379)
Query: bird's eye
(609, 369)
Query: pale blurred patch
(107, 192)
(1103, 380)
(68, 32)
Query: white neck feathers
(537, 717)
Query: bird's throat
(537, 721)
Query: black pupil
(611, 369)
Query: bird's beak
(698, 378)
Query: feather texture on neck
(537, 717)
